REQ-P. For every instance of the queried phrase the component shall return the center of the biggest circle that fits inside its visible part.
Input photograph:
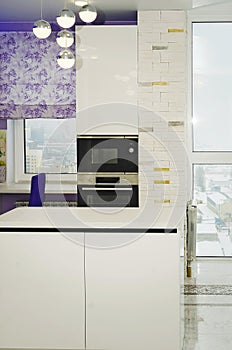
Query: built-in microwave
(107, 154)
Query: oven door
(107, 196)
(107, 154)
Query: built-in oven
(107, 154)
(107, 190)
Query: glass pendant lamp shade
(66, 18)
(66, 59)
(42, 29)
(65, 38)
(81, 2)
(88, 13)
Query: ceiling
(29, 10)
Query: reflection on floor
(208, 305)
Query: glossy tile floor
(208, 305)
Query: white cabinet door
(42, 290)
(107, 80)
(132, 291)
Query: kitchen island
(73, 278)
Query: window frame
(19, 159)
(201, 157)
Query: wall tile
(162, 67)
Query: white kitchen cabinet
(107, 80)
(132, 291)
(105, 290)
(42, 302)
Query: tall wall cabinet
(107, 79)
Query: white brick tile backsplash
(144, 90)
(160, 107)
(156, 38)
(172, 15)
(145, 46)
(155, 75)
(145, 27)
(181, 116)
(167, 56)
(175, 107)
(155, 57)
(145, 55)
(160, 88)
(162, 98)
(146, 103)
(160, 67)
(158, 148)
(177, 97)
(173, 77)
(144, 76)
(172, 37)
(181, 24)
(146, 37)
(162, 156)
(148, 16)
(149, 115)
(176, 86)
(176, 47)
(156, 96)
(160, 27)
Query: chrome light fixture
(88, 13)
(42, 28)
(65, 38)
(81, 3)
(66, 59)
(66, 18)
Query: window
(43, 145)
(50, 146)
(212, 86)
(213, 188)
(212, 139)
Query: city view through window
(213, 190)
(212, 142)
(50, 146)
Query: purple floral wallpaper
(32, 85)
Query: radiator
(48, 204)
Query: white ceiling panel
(29, 10)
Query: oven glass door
(107, 154)
(107, 196)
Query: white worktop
(25, 188)
(79, 218)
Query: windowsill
(25, 188)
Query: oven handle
(106, 189)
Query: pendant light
(88, 13)
(42, 28)
(66, 18)
(81, 3)
(66, 59)
(65, 38)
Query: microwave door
(101, 156)
(107, 155)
